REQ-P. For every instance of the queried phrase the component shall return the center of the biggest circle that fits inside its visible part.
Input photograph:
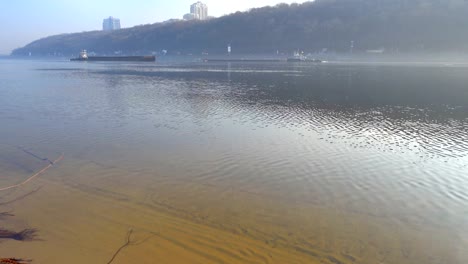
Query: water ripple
(382, 141)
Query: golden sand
(83, 212)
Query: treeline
(322, 25)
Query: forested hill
(394, 25)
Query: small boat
(301, 58)
(297, 57)
(84, 57)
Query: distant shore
(450, 59)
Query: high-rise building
(110, 23)
(200, 10)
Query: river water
(235, 162)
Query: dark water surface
(329, 163)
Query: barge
(84, 57)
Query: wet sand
(83, 211)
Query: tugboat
(298, 57)
(84, 57)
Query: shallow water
(236, 163)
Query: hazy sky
(22, 21)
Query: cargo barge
(84, 57)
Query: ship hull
(117, 58)
(303, 60)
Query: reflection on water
(328, 163)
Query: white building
(110, 23)
(199, 9)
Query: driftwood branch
(35, 156)
(33, 176)
(13, 261)
(5, 215)
(19, 198)
(127, 243)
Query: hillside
(395, 25)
